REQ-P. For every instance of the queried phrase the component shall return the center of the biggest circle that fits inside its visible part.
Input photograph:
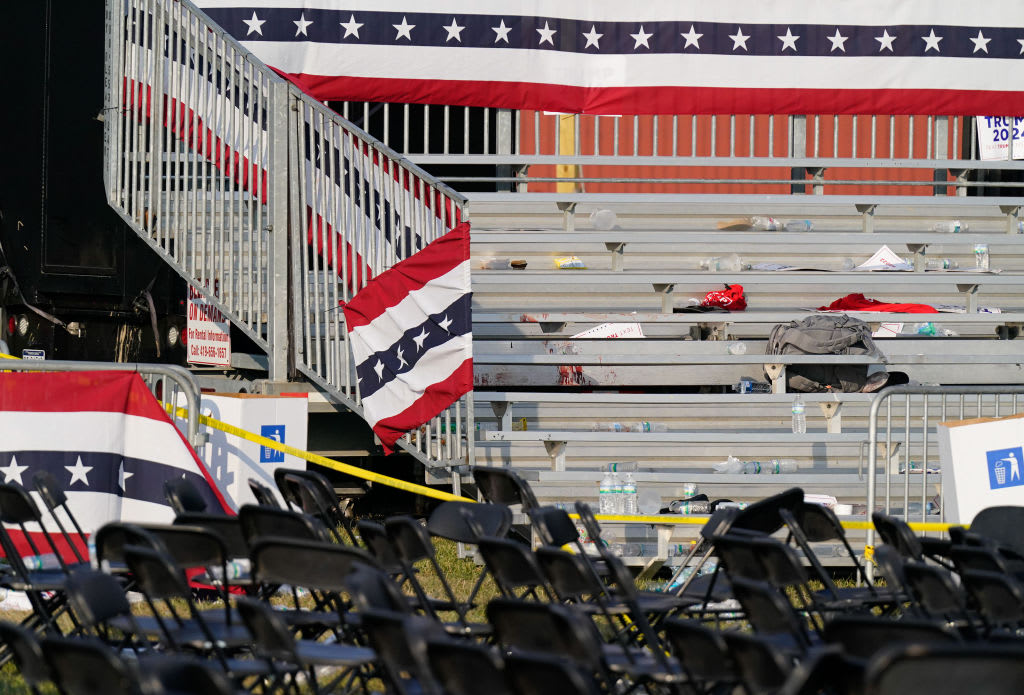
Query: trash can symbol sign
(1004, 467)
(1000, 471)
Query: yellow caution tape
(694, 520)
(323, 460)
(4, 355)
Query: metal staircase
(269, 203)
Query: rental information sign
(208, 334)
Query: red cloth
(858, 302)
(730, 298)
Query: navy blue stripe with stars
(381, 367)
(609, 38)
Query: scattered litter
(495, 264)
(885, 259)
(570, 263)
(603, 219)
(518, 264)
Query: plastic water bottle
(616, 493)
(926, 328)
(607, 427)
(765, 224)
(645, 426)
(942, 264)
(751, 386)
(629, 494)
(737, 348)
(779, 466)
(981, 258)
(605, 503)
(950, 227)
(799, 417)
(798, 226)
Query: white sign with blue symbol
(982, 465)
(268, 455)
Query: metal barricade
(902, 424)
(168, 382)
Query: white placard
(982, 465)
(995, 134)
(613, 330)
(885, 259)
(208, 334)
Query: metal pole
(277, 199)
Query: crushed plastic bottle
(941, 264)
(774, 467)
(603, 219)
(737, 348)
(495, 263)
(730, 262)
(607, 427)
(751, 386)
(765, 224)
(645, 426)
(798, 226)
(950, 226)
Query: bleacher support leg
(556, 450)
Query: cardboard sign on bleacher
(982, 465)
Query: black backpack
(824, 334)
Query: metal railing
(169, 383)
(272, 205)
(903, 423)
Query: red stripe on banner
(435, 399)
(658, 100)
(62, 392)
(393, 285)
(79, 392)
(24, 548)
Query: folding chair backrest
(466, 668)
(96, 597)
(763, 667)
(111, 539)
(227, 527)
(19, 509)
(896, 533)
(546, 628)
(891, 563)
(265, 497)
(409, 538)
(27, 654)
(85, 667)
(700, 649)
(180, 674)
(568, 573)
(998, 596)
(541, 674)
(504, 486)
(269, 631)
(935, 591)
(183, 496)
(258, 521)
(405, 667)
(316, 497)
(156, 575)
(554, 526)
(976, 557)
(191, 546)
(739, 557)
(513, 566)
(763, 516)
(993, 669)
(465, 522)
(375, 538)
(372, 590)
(863, 636)
(1003, 524)
(768, 610)
(319, 565)
(53, 497)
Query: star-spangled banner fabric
(106, 440)
(411, 334)
(662, 56)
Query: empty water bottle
(779, 466)
(981, 259)
(950, 226)
(603, 219)
(799, 417)
(645, 426)
(799, 226)
(605, 503)
(737, 348)
(629, 494)
(607, 427)
(765, 224)
(941, 264)
(751, 386)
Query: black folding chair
(762, 667)
(22, 646)
(172, 675)
(999, 600)
(53, 497)
(183, 496)
(83, 666)
(861, 637)
(504, 486)
(274, 641)
(312, 492)
(937, 596)
(703, 654)
(101, 606)
(258, 521)
(992, 669)
(228, 527)
(467, 668)
(265, 496)
(542, 674)
(515, 569)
